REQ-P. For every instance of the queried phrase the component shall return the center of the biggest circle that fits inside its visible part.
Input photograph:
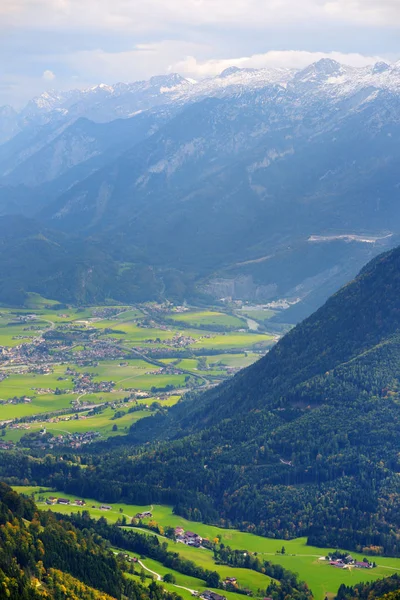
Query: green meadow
(299, 557)
(103, 422)
(207, 317)
(233, 360)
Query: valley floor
(307, 561)
(70, 376)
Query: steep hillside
(63, 267)
(42, 558)
(303, 442)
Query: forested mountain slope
(304, 442)
(34, 258)
(43, 558)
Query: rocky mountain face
(284, 180)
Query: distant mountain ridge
(211, 177)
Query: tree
(142, 575)
(283, 551)
(115, 427)
(212, 579)
(169, 578)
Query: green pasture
(129, 314)
(207, 317)
(185, 580)
(40, 404)
(204, 558)
(102, 423)
(131, 332)
(9, 332)
(233, 340)
(299, 558)
(234, 360)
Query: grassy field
(121, 327)
(237, 339)
(103, 423)
(178, 588)
(204, 558)
(299, 558)
(207, 317)
(234, 360)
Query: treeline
(382, 588)
(146, 545)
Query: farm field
(207, 317)
(179, 587)
(204, 558)
(299, 557)
(62, 359)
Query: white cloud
(290, 58)
(143, 61)
(110, 40)
(48, 75)
(156, 15)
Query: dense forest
(34, 258)
(45, 558)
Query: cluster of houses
(51, 500)
(188, 537)
(348, 562)
(65, 501)
(6, 445)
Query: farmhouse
(192, 539)
(363, 565)
(209, 595)
(62, 501)
(179, 531)
(80, 502)
(143, 515)
(51, 500)
(105, 507)
(339, 564)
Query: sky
(65, 44)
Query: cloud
(143, 61)
(110, 40)
(48, 75)
(190, 66)
(156, 15)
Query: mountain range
(263, 185)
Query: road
(159, 577)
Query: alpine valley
(270, 185)
(200, 338)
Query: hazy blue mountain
(259, 184)
(83, 143)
